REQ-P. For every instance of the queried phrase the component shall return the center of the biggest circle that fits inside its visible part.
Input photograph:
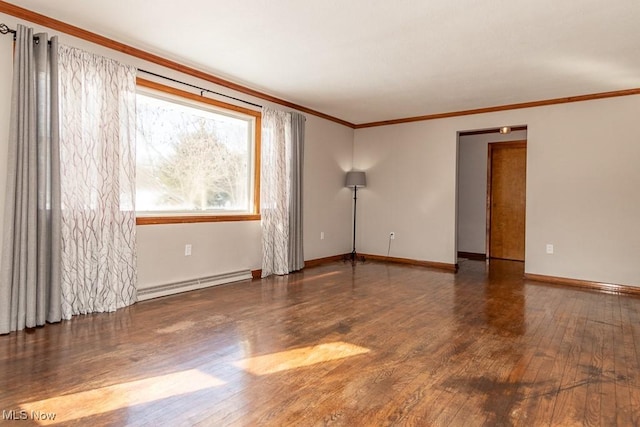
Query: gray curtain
(296, 160)
(30, 267)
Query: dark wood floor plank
(553, 362)
(595, 375)
(370, 344)
(535, 382)
(519, 385)
(624, 413)
(630, 319)
(564, 408)
(608, 413)
(564, 362)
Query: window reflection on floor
(299, 357)
(100, 400)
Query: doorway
(472, 221)
(506, 200)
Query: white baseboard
(190, 285)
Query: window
(195, 158)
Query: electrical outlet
(549, 248)
(392, 235)
(322, 235)
(187, 250)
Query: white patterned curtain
(274, 191)
(281, 174)
(97, 150)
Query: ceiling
(369, 60)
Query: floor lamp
(355, 180)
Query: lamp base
(353, 257)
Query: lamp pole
(355, 179)
(355, 204)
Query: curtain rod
(201, 89)
(4, 29)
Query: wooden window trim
(184, 219)
(148, 219)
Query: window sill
(151, 220)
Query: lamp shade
(355, 179)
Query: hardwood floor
(371, 344)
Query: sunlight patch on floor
(321, 276)
(177, 327)
(286, 281)
(299, 357)
(97, 401)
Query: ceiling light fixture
(505, 129)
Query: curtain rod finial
(6, 30)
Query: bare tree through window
(191, 159)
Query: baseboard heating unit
(192, 284)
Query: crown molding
(72, 30)
(554, 101)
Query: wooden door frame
(491, 145)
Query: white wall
(327, 203)
(472, 188)
(221, 247)
(411, 188)
(582, 191)
(582, 178)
